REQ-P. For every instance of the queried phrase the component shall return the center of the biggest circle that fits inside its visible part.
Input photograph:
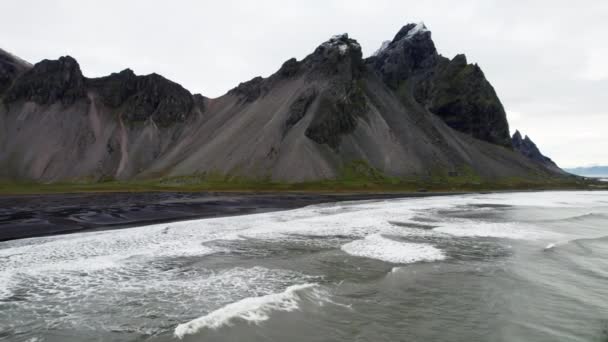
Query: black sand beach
(51, 214)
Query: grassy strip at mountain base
(356, 176)
(325, 186)
(316, 187)
(193, 184)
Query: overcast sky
(548, 60)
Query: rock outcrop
(454, 90)
(143, 97)
(50, 81)
(529, 149)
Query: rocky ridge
(406, 112)
(529, 149)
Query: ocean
(529, 266)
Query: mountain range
(405, 112)
(590, 171)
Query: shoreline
(28, 216)
(25, 216)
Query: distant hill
(591, 171)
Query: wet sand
(52, 214)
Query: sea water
(530, 266)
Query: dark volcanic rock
(338, 62)
(251, 90)
(116, 88)
(339, 56)
(529, 149)
(200, 101)
(10, 69)
(290, 68)
(460, 94)
(144, 97)
(337, 114)
(454, 90)
(50, 81)
(138, 97)
(257, 87)
(298, 108)
(164, 101)
(412, 51)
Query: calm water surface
(495, 267)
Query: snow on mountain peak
(342, 42)
(419, 28)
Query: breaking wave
(252, 310)
(378, 247)
(508, 230)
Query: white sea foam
(469, 228)
(549, 246)
(93, 296)
(114, 249)
(381, 248)
(252, 310)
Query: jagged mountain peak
(411, 50)
(454, 90)
(342, 43)
(517, 135)
(50, 81)
(340, 55)
(141, 97)
(67, 64)
(528, 148)
(409, 31)
(413, 33)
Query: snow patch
(341, 42)
(419, 28)
(338, 37)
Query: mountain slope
(406, 112)
(10, 68)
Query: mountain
(590, 171)
(528, 148)
(406, 112)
